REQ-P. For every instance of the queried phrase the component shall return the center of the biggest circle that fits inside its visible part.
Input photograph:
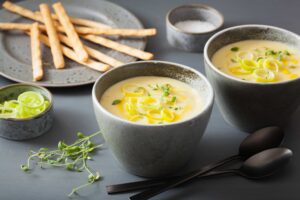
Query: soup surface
(152, 100)
(259, 61)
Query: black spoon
(258, 141)
(260, 165)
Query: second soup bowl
(252, 105)
(160, 149)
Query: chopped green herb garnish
(166, 90)
(234, 49)
(116, 101)
(233, 60)
(270, 53)
(173, 99)
(287, 53)
(138, 89)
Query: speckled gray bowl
(153, 150)
(191, 41)
(21, 129)
(249, 105)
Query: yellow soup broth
(259, 61)
(152, 100)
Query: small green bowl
(21, 129)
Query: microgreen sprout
(72, 157)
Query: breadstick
(36, 53)
(24, 12)
(120, 32)
(82, 22)
(99, 40)
(15, 26)
(94, 53)
(21, 11)
(111, 31)
(56, 51)
(119, 47)
(71, 54)
(97, 28)
(70, 31)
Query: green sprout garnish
(72, 157)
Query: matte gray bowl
(21, 129)
(191, 41)
(153, 150)
(250, 105)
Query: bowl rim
(206, 107)
(199, 6)
(33, 117)
(214, 68)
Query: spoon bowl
(266, 162)
(260, 140)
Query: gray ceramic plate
(15, 56)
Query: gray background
(73, 112)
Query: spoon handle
(222, 172)
(140, 185)
(180, 180)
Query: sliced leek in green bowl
(25, 111)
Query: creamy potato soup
(259, 61)
(152, 100)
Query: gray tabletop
(73, 112)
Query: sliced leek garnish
(163, 107)
(245, 55)
(271, 64)
(248, 65)
(133, 90)
(264, 75)
(167, 115)
(27, 105)
(263, 65)
(154, 114)
(293, 76)
(237, 70)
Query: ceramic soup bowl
(153, 150)
(251, 105)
